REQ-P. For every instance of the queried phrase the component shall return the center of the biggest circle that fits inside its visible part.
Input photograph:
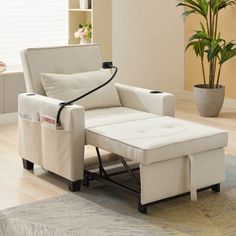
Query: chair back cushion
(67, 87)
(58, 60)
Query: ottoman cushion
(156, 139)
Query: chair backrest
(58, 60)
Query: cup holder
(156, 92)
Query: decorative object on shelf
(207, 43)
(90, 4)
(84, 33)
(3, 66)
(84, 4)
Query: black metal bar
(101, 168)
(107, 180)
(100, 161)
(122, 172)
(132, 175)
(112, 174)
(111, 182)
(63, 105)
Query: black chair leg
(142, 208)
(74, 186)
(216, 188)
(27, 164)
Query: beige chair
(68, 60)
(174, 156)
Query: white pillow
(67, 87)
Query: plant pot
(84, 4)
(209, 101)
(85, 41)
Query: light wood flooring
(19, 186)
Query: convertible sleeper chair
(173, 156)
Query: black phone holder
(105, 65)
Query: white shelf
(80, 10)
(11, 70)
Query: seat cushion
(114, 115)
(67, 87)
(156, 139)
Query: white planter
(85, 41)
(209, 101)
(84, 4)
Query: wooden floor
(20, 187)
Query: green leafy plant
(207, 41)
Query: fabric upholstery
(58, 60)
(172, 177)
(60, 151)
(157, 139)
(114, 115)
(142, 99)
(67, 87)
(139, 130)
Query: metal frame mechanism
(105, 178)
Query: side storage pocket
(30, 146)
(57, 151)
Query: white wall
(148, 43)
(11, 84)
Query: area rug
(102, 210)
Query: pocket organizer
(56, 150)
(30, 146)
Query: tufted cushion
(67, 87)
(156, 139)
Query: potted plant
(84, 33)
(212, 50)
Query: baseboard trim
(188, 95)
(8, 118)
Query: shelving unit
(100, 16)
(81, 10)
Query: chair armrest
(59, 151)
(142, 99)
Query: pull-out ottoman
(175, 156)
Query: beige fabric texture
(60, 151)
(156, 139)
(172, 177)
(160, 144)
(58, 60)
(71, 60)
(67, 87)
(142, 99)
(114, 115)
